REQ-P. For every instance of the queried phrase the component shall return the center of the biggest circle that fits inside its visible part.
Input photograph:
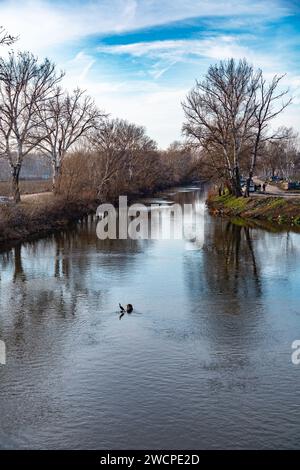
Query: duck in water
(128, 309)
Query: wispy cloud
(216, 47)
(159, 69)
(80, 66)
(42, 23)
(139, 58)
(167, 53)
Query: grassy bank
(280, 210)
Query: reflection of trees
(227, 279)
(63, 276)
(189, 197)
(51, 277)
(5, 260)
(18, 265)
(230, 260)
(286, 251)
(77, 248)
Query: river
(203, 362)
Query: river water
(203, 362)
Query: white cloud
(219, 47)
(159, 111)
(43, 24)
(289, 118)
(55, 28)
(158, 106)
(144, 102)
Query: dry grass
(37, 198)
(39, 217)
(27, 187)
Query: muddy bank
(30, 220)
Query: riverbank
(39, 215)
(279, 210)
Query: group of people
(259, 187)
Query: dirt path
(272, 190)
(36, 197)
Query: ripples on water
(203, 362)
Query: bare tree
(64, 120)
(229, 113)
(281, 157)
(181, 162)
(119, 145)
(266, 99)
(6, 39)
(220, 110)
(25, 85)
(122, 159)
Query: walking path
(273, 190)
(36, 197)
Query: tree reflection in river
(211, 347)
(232, 267)
(63, 276)
(229, 265)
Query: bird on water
(128, 309)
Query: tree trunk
(236, 182)
(249, 179)
(55, 176)
(15, 176)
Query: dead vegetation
(26, 187)
(37, 218)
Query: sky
(139, 58)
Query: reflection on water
(204, 360)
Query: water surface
(204, 361)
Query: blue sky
(139, 58)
